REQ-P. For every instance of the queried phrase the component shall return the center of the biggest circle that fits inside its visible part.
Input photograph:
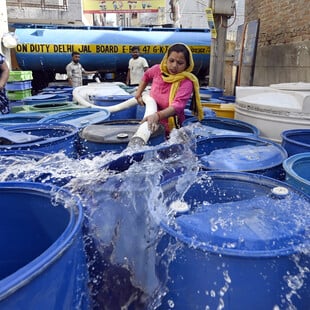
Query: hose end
(136, 142)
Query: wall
(26, 11)
(283, 52)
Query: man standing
(75, 71)
(136, 67)
(4, 76)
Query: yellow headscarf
(175, 79)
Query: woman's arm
(147, 78)
(165, 113)
(139, 92)
(154, 119)
(177, 107)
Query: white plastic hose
(143, 131)
(82, 95)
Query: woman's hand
(152, 121)
(140, 100)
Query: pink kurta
(160, 91)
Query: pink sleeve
(184, 93)
(149, 74)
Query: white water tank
(275, 108)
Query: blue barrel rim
(44, 96)
(58, 87)
(285, 135)
(113, 97)
(282, 150)
(18, 279)
(52, 118)
(21, 115)
(228, 98)
(42, 102)
(56, 92)
(244, 176)
(211, 88)
(288, 166)
(55, 104)
(255, 130)
(36, 126)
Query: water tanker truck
(46, 49)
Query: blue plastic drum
(297, 169)
(43, 264)
(27, 166)
(8, 157)
(57, 90)
(296, 141)
(19, 118)
(238, 241)
(228, 98)
(79, 118)
(46, 98)
(238, 153)
(140, 112)
(107, 101)
(206, 112)
(214, 92)
(33, 166)
(214, 126)
(113, 136)
(49, 107)
(46, 138)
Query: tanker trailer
(46, 49)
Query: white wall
(192, 15)
(73, 14)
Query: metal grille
(40, 4)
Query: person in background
(172, 86)
(136, 67)
(75, 71)
(4, 76)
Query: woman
(172, 87)
(4, 76)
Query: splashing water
(124, 208)
(120, 232)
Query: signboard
(246, 43)
(130, 6)
(250, 43)
(101, 48)
(245, 52)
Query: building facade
(283, 50)
(45, 11)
